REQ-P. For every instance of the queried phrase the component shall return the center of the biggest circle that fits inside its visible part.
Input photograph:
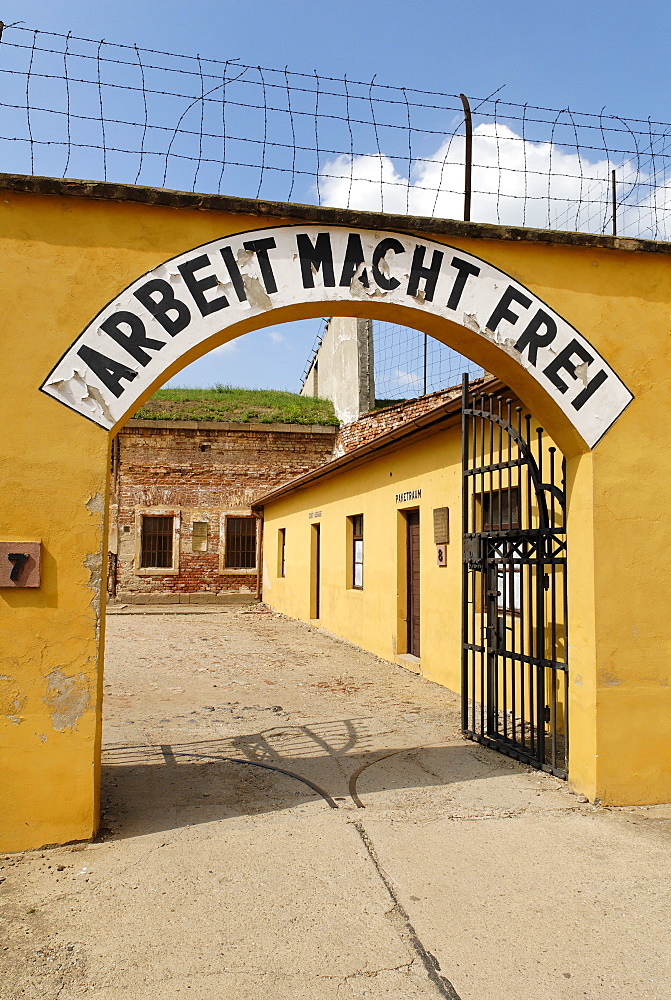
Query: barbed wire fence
(99, 110)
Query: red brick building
(181, 525)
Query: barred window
(156, 549)
(240, 543)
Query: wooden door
(413, 582)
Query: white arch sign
(194, 296)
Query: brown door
(413, 582)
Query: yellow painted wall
(375, 617)
(64, 257)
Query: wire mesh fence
(76, 107)
(409, 363)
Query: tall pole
(426, 342)
(468, 159)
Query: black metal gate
(514, 660)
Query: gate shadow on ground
(149, 788)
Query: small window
(500, 509)
(357, 551)
(156, 551)
(199, 531)
(240, 543)
(281, 543)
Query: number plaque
(20, 564)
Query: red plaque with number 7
(20, 564)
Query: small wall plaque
(20, 564)
(441, 525)
(441, 554)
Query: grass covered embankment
(227, 404)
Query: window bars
(240, 543)
(156, 543)
(76, 107)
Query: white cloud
(276, 336)
(228, 348)
(515, 182)
(405, 380)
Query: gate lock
(473, 552)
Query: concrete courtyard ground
(415, 865)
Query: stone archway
(513, 301)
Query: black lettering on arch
(354, 259)
(171, 312)
(532, 338)
(198, 286)
(589, 390)
(418, 272)
(464, 270)
(234, 273)
(136, 341)
(503, 310)
(317, 256)
(261, 248)
(379, 254)
(567, 360)
(111, 373)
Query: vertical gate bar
(480, 429)
(565, 623)
(501, 659)
(553, 717)
(499, 462)
(563, 493)
(476, 579)
(521, 473)
(553, 613)
(513, 665)
(464, 565)
(540, 621)
(530, 599)
(566, 722)
(477, 653)
(492, 623)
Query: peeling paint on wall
(96, 504)
(94, 561)
(11, 700)
(67, 698)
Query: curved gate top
(232, 285)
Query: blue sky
(554, 54)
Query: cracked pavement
(286, 814)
